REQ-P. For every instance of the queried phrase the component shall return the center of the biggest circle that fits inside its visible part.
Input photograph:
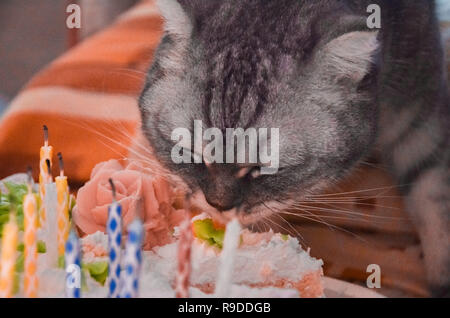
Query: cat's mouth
(246, 218)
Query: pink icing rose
(150, 198)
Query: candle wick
(45, 136)
(61, 164)
(113, 188)
(49, 169)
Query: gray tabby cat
(338, 92)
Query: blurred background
(33, 33)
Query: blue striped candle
(114, 229)
(132, 261)
(73, 266)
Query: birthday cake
(131, 236)
(265, 265)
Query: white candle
(227, 258)
(50, 229)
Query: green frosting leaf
(16, 191)
(10, 201)
(98, 271)
(205, 230)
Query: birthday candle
(46, 153)
(29, 237)
(114, 229)
(73, 266)
(62, 190)
(184, 258)
(132, 261)
(50, 228)
(227, 257)
(8, 257)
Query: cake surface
(267, 265)
(262, 260)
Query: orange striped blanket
(86, 97)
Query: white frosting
(261, 258)
(260, 263)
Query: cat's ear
(177, 21)
(350, 55)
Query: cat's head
(306, 68)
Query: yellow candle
(62, 190)
(8, 257)
(29, 237)
(46, 153)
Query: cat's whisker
(360, 203)
(131, 138)
(266, 227)
(375, 166)
(282, 227)
(349, 212)
(351, 199)
(121, 145)
(360, 191)
(145, 159)
(134, 74)
(321, 221)
(123, 69)
(297, 234)
(311, 217)
(330, 226)
(331, 217)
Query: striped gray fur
(337, 91)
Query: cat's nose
(223, 195)
(223, 205)
(221, 189)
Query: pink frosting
(150, 198)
